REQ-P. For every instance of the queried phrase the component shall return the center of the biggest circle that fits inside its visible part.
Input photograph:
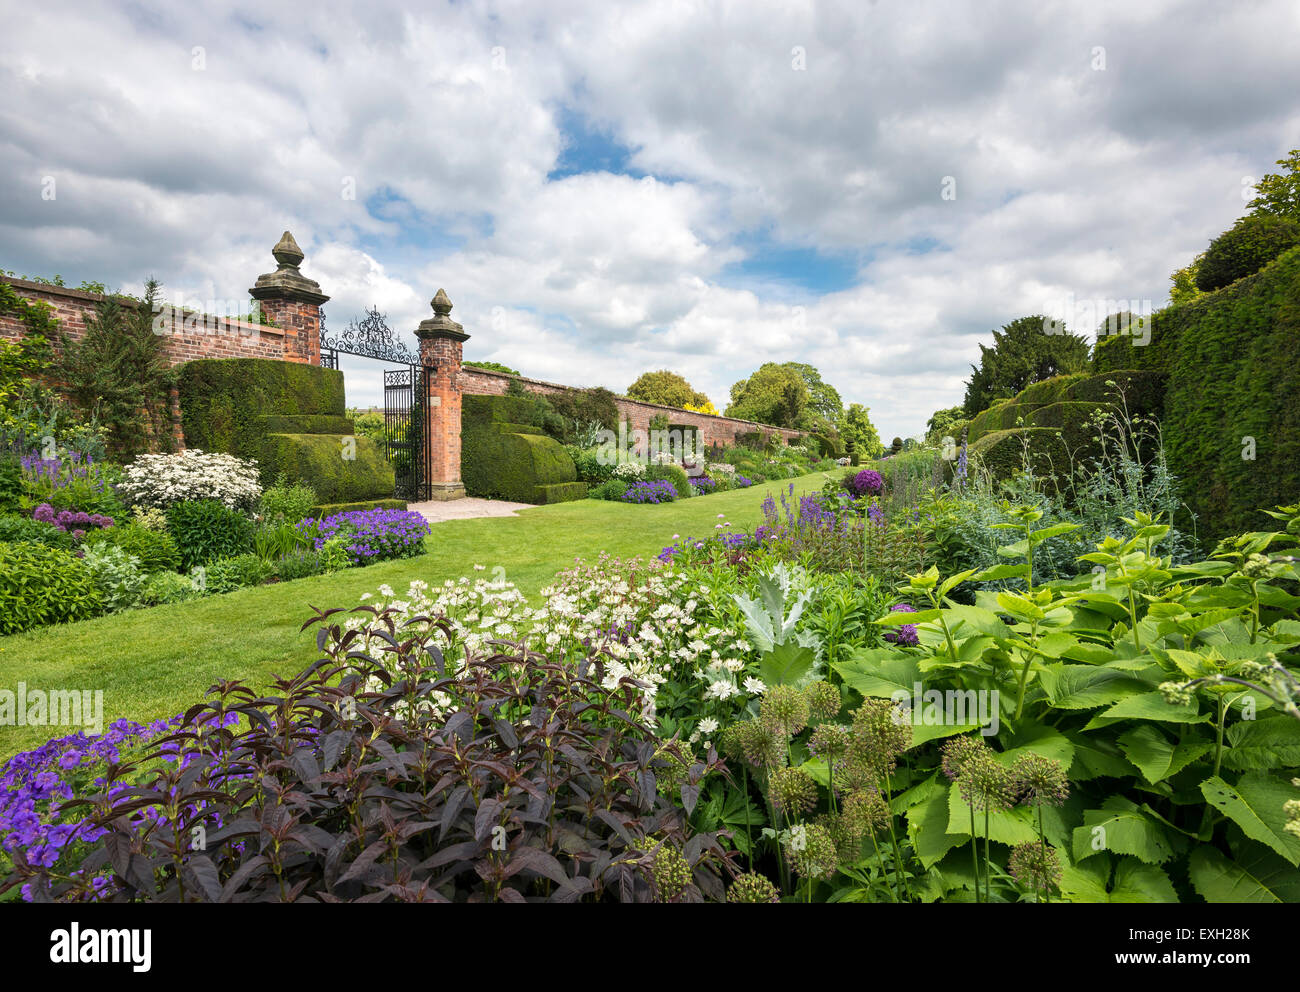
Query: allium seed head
(671, 872)
(752, 887)
(1039, 781)
(811, 851)
(955, 754)
(985, 783)
(830, 741)
(823, 700)
(792, 790)
(784, 710)
(865, 811)
(1035, 866)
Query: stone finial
(287, 252)
(286, 282)
(440, 325)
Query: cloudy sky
(606, 188)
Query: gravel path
(436, 511)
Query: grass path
(154, 663)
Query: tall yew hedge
(1233, 358)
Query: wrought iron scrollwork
(371, 338)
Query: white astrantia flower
(754, 686)
(720, 690)
(650, 621)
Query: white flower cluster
(721, 468)
(629, 470)
(642, 616)
(161, 480)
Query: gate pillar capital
(292, 302)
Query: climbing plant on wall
(118, 373)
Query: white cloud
(1070, 181)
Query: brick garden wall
(218, 338)
(188, 336)
(292, 302)
(719, 431)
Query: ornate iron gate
(404, 399)
(405, 395)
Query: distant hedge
(1003, 452)
(319, 459)
(329, 509)
(502, 459)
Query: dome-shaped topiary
(1245, 248)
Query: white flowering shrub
(643, 617)
(629, 470)
(161, 480)
(721, 468)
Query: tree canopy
(1023, 352)
(1279, 193)
(944, 423)
(775, 394)
(667, 389)
(860, 435)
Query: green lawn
(154, 663)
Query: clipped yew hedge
(1232, 358)
(224, 401)
(1236, 375)
(290, 418)
(502, 458)
(319, 460)
(1067, 402)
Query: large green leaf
(1260, 744)
(1134, 882)
(1016, 826)
(1157, 757)
(1255, 804)
(786, 664)
(1253, 875)
(927, 824)
(1081, 687)
(880, 672)
(1096, 757)
(1152, 706)
(1121, 828)
(964, 620)
(1041, 739)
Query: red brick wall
(187, 336)
(719, 431)
(218, 338)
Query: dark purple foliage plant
(394, 776)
